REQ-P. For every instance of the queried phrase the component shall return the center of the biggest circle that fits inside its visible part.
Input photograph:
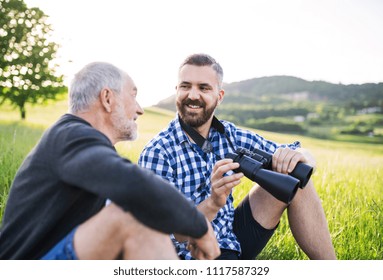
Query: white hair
(89, 82)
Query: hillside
(290, 104)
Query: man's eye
(204, 88)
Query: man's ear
(221, 94)
(106, 99)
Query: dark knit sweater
(67, 178)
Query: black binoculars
(257, 165)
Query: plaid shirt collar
(180, 135)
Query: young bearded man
(206, 177)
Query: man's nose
(140, 111)
(194, 93)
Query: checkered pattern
(174, 157)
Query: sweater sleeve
(87, 160)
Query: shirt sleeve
(88, 161)
(153, 159)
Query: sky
(338, 41)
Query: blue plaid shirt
(173, 156)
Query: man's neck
(204, 129)
(98, 122)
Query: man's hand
(221, 186)
(206, 247)
(285, 159)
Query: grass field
(348, 180)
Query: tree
(27, 72)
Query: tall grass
(348, 180)
(16, 140)
(349, 183)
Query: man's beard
(195, 119)
(126, 129)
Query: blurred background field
(348, 179)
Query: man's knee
(113, 231)
(266, 209)
(149, 244)
(103, 235)
(115, 217)
(307, 194)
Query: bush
(276, 124)
(357, 130)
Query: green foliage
(356, 129)
(276, 124)
(244, 112)
(27, 74)
(16, 140)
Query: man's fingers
(229, 184)
(199, 254)
(285, 159)
(218, 171)
(279, 158)
(206, 247)
(222, 163)
(228, 181)
(293, 162)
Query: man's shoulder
(70, 122)
(228, 125)
(232, 129)
(70, 127)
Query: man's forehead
(129, 84)
(197, 74)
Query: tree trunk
(22, 112)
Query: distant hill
(280, 89)
(290, 104)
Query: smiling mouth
(193, 106)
